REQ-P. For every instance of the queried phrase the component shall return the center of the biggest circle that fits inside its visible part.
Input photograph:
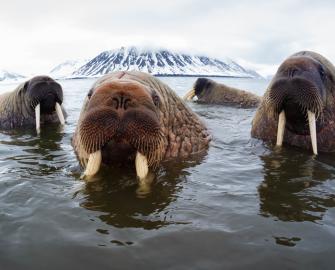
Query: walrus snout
(297, 91)
(139, 128)
(120, 102)
(299, 79)
(48, 103)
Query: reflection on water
(34, 154)
(115, 195)
(290, 188)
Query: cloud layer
(37, 35)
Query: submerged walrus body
(210, 92)
(132, 117)
(298, 107)
(34, 102)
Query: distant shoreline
(158, 75)
(212, 76)
(170, 75)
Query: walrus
(38, 100)
(210, 92)
(298, 108)
(132, 117)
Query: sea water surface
(242, 205)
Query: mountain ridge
(9, 76)
(159, 62)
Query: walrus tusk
(38, 117)
(189, 95)
(281, 128)
(93, 164)
(60, 113)
(312, 131)
(141, 164)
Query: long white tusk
(189, 95)
(312, 131)
(60, 113)
(38, 117)
(93, 164)
(281, 128)
(141, 164)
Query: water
(244, 204)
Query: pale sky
(37, 35)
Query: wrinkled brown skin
(184, 133)
(16, 108)
(264, 124)
(211, 92)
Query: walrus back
(12, 108)
(226, 95)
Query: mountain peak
(10, 76)
(66, 68)
(161, 62)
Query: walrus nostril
(125, 106)
(120, 103)
(292, 72)
(115, 103)
(48, 103)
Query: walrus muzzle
(297, 102)
(104, 129)
(46, 104)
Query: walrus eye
(322, 73)
(156, 100)
(90, 93)
(25, 86)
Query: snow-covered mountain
(7, 76)
(66, 69)
(160, 62)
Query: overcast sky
(36, 35)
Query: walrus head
(202, 89)
(44, 96)
(121, 122)
(301, 97)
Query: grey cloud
(38, 34)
